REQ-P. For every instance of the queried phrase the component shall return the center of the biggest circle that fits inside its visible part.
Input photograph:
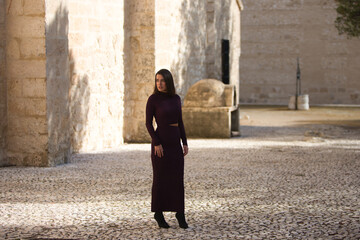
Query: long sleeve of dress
(181, 126)
(150, 111)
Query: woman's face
(160, 83)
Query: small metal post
(298, 84)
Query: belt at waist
(167, 125)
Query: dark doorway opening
(225, 52)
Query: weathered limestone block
(22, 107)
(26, 26)
(210, 93)
(27, 69)
(207, 122)
(34, 7)
(32, 48)
(14, 8)
(35, 87)
(210, 110)
(12, 49)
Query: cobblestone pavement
(258, 186)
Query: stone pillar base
(209, 122)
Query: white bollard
(291, 104)
(302, 102)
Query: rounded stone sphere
(205, 93)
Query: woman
(167, 155)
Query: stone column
(37, 83)
(140, 66)
(65, 76)
(235, 44)
(3, 108)
(27, 132)
(211, 53)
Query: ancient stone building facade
(76, 74)
(274, 33)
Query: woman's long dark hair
(169, 82)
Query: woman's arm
(185, 150)
(150, 111)
(181, 126)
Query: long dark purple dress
(168, 171)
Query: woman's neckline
(163, 94)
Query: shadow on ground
(279, 123)
(231, 192)
(277, 181)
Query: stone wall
(57, 82)
(235, 45)
(275, 33)
(65, 79)
(3, 109)
(96, 42)
(223, 22)
(139, 64)
(180, 41)
(27, 133)
(188, 38)
(79, 72)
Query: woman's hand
(159, 150)
(186, 150)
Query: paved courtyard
(291, 175)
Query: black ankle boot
(159, 217)
(181, 219)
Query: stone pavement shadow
(349, 124)
(301, 132)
